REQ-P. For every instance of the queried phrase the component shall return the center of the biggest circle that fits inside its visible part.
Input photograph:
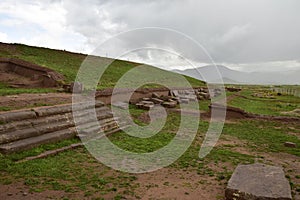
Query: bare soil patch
(18, 81)
(171, 183)
(20, 191)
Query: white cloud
(259, 34)
(280, 66)
(39, 23)
(3, 37)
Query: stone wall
(47, 77)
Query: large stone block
(258, 182)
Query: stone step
(84, 119)
(13, 126)
(99, 135)
(84, 116)
(101, 112)
(34, 131)
(29, 123)
(16, 116)
(20, 115)
(32, 142)
(22, 130)
(102, 125)
(60, 109)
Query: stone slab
(157, 101)
(258, 182)
(290, 144)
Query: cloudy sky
(247, 35)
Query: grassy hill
(68, 63)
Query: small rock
(25, 193)
(290, 144)
(9, 194)
(139, 105)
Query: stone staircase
(26, 129)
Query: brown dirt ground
(171, 183)
(21, 101)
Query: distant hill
(68, 63)
(210, 73)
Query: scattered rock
(258, 182)
(119, 104)
(147, 102)
(232, 89)
(290, 144)
(145, 105)
(267, 95)
(169, 104)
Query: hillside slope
(68, 63)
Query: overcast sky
(247, 35)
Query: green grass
(265, 136)
(265, 106)
(69, 171)
(6, 90)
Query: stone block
(258, 182)
(155, 95)
(169, 104)
(290, 144)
